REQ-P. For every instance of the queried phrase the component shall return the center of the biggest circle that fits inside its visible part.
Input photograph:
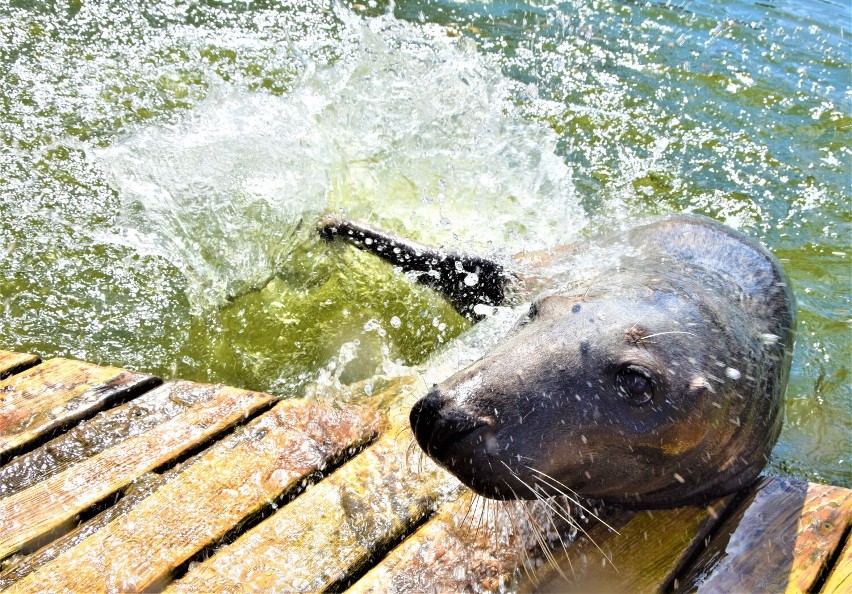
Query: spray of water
(409, 128)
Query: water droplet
(483, 310)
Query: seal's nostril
(437, 426)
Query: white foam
(409, 129)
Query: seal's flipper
(466, 281)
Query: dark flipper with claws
(466, 281)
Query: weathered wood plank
(90, 437)
(471, 544)
(228, 483)
(11, 363)
(446, 554)
(644, 555)
(95, 435)
(331, 530)
(778, 540)
(839, 581)
(45, 507)
(16, 567)
(56, 394)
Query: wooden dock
(112, 480)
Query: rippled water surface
(162, 166)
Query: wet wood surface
(469, 545)
(11, 363)
(99, 433)
(208, 499)
(331, 531)
(196, 488)
(57, 393)
(602, 559)
(48, 505)
(19, 566)
(780, 539)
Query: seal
(649, 370)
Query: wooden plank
(840, 579)
(644, 555)
(448, 555)
(336, 526)
(11, 363)
(17, 566)
(56, 394)
(95, 435)
(778, 540)
(228, 483)
(35, 512)
(471, 544)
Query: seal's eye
(635, 384)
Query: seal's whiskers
(566, 517)
(414, 449)
(577, 525)
(511, 508)
(539, 531)
(555, 484)
(467, 514)
(644, 338)
(564, 514)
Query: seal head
(651, 377)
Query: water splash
(409, 128)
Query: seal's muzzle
(438, 427)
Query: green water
(162, 168)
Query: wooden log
(328, 533)
(11, 363)
(227, 484)
(43, 508)
(839, 581)
(779, 539)
(106, 429)
(58, 393)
